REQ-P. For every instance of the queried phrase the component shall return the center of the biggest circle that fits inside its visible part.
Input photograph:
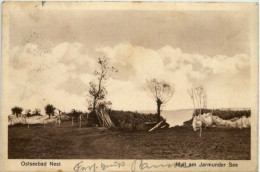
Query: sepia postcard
(129, 86)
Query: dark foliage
(93, 119)
(75, 114)
(36, 112)
(17, 111)
(28, 113)
(49, 109)
(226, 114)
(132, 121)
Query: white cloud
(182, 70)
(37, 77)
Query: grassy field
(67, 142)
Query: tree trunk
(158, 111)
(94, 106)
(80, 121)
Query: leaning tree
(97, 87)
(49, 109)
(17, 111)
(161, 92)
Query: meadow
(180, 142)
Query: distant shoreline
(154, 111)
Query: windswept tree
(97, 89)
(161, 92)
(49, 110)
(199, 97)
(17, 111)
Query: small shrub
(131, 121)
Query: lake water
(174, 117)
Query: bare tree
(161, 92)
(199, 97)
(97, 90)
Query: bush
(131, 121)
(225, 114)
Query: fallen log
(156, 126)
(163, 126)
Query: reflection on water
(177, 117)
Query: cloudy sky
(53, 54)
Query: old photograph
(129, 81)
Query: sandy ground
(67, 142)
